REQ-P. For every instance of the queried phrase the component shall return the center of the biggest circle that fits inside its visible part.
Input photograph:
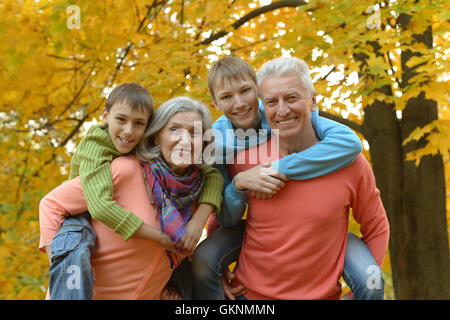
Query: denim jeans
(361, 273)
(70, 269)
(211, 257)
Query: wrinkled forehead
(283, 82)
(189, 119)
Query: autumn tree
(378, 67)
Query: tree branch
(253, 14)
(182, 12)
(348, 123)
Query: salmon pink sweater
(133, 269)
(294, 243)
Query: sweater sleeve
(338, 147)
(212, 189)
(369, 212)
(96, 154)
(234, 201)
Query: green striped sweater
(91, 162)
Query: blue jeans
(70, 269)
(211, 257)
(361, 273)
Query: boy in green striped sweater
(126, 115)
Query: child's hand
(261, 195)
(49, 254)
(167, 243)
(262, 179)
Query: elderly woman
(166, 170)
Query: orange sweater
(133, 269)
(294, 244)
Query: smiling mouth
(285, 122)
(243, 113)
(125, 140)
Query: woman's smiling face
(181, 140)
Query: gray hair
(146, 149)
(286, 66)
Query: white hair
(147, 150)
(285, 66)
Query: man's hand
(231, 293)
(262, 180)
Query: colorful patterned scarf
(174, 195)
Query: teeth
(124, 140)
(242, 113)
(286, 121)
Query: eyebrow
(246, 84)
(126, 116)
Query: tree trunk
(382, 130)
(424, 268)
(414, 197)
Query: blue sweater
(338, 147)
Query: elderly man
(294, 243)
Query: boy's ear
(217, 105)
(104, 115)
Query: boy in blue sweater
(233, 87)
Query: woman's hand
(193, 234)
(262, 181)
(194, 228)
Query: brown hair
(132, 94)
(230, 68)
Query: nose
(238, 101)
(128, 130)
(184, 139)
(282, 109)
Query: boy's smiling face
(126, 126)
(238, 100)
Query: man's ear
(314, 102)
